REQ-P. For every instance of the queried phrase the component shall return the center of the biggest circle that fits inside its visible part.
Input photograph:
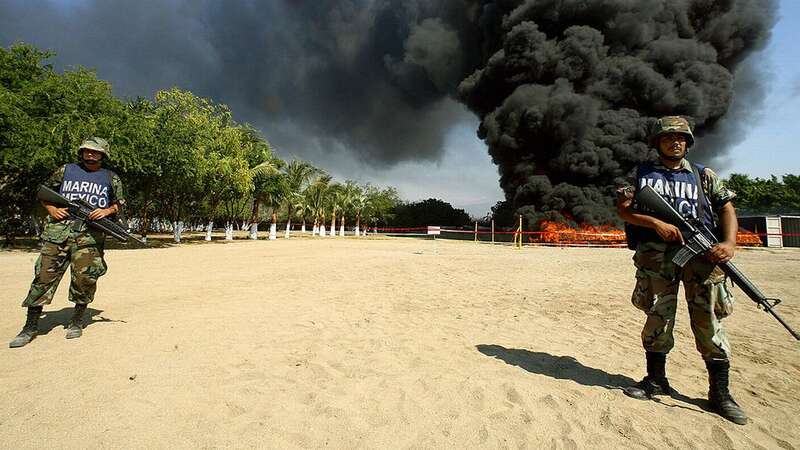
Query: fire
(747, 239)
(556, 233)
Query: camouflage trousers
(86, 266)
(656, 293)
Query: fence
(564, 237)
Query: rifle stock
(699, 240)
(80, 210)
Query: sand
(381, 343)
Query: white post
(273, 232)
(208, 229)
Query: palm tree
(263, 166)
(317, 193)
(334, 199)
(298, 175)
(360, 204)
(269, 188)
(274, 196)
(303, 209)
(350, 191)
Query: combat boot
(655, 383)
(30, 330)
(719, 397)
(75, 327)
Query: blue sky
(770, 146)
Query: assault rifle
(698, 239)
(80, 210)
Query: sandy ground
(394, 343)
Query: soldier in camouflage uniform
(71, 242)
(697, 192)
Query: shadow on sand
(569, 368)
(52, 319)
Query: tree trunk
(341, 227)
(333, 224)
(208, 229)
(273, 228)
(315, 229)
(288, 228)
(303, 228)
(358, 225)
(177, 228)
(9, 237)
(143, 230)
(229, 230)
(254, 231)
(254, 219)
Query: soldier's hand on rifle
(668, 232)
(56, 212)
(99, 213)
(721, 253)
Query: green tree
(347, 196)
(316, 195)
(765, 196)
(298, 176)
(43, 118)
(429, 212)
(379, 205)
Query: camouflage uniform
(707, 295)
(697, 192)
(69, 242)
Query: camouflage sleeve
(55, 180)
(717, 192)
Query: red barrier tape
(392, 230)
(563, 236)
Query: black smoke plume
(565, 89)
(374, 78)
(571, 88)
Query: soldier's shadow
(569, 368)
(53, 319)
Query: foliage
(43, 118)
(765, 196)
(429, 212)
(182, 158)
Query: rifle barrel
(651, 200)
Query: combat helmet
(96, 144)
(672, 124)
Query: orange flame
(747, 239)
(560, 233)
